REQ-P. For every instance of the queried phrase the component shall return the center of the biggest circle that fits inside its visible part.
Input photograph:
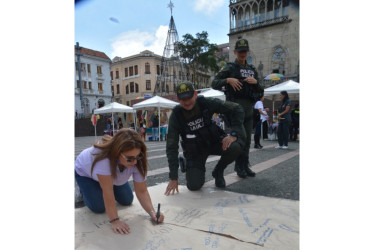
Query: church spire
(172, 69)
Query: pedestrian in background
(265, 124)
(295, 113)
(102, 173)
(155, 123)
(284, 120)
(259, 107)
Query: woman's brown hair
(124, 140)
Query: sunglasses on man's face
(132, 158)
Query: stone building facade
(95, 80)
(134, 76)
(272, 30)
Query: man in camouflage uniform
(200, 137)
(241, 85)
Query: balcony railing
(282, 19)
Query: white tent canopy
(156, 102)
(290, 86)
(113, 107)
(213, 93)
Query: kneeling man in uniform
(191, 121)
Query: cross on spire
(171, 5)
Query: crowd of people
(103, 170)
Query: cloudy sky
(123, 27)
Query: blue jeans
(93, 194)
(154, 134)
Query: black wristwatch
(234, 134)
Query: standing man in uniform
(201, 137)
(241, 84)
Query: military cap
(185, 89)
(241, 45)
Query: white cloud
(207, 6)
(134, 41)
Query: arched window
(136, 88)
(246, 15)
(277, 7)
(254, 13)
(269, 10)
(233, 19)
(147, 68)
(131, 87)
(262, 11)
(127, 89)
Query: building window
(117, 88)
(99, 70)
(131, 87)
(127, 89)
(117, 74)
(127, 103)
(77, 84)
(100, 86)
(89, 85)
(131, 69)
(112, 88)
(167, 89)
(89, 68)
(147, 68)
(136, 88)
(136, 69)
(83, 67)
(76, 66)
(111, 75)
(84, 84)
(148, 84)
(126, 72)
(158, 69)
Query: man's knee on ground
(194, 186)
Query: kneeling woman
(102, 173)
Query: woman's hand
(153, 216)
(120, 227)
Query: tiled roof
(92, 52)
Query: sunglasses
(132, 158)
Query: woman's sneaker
(284, 147)
(278, 146)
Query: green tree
(198, 53)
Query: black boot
(218, 175)
(247, 170)
(239, 167)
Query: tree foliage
(198, 53)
